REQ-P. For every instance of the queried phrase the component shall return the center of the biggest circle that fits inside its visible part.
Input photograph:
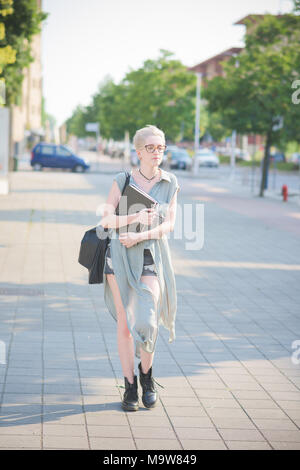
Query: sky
(85, 41)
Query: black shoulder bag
(93, 248)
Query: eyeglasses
(151, 148)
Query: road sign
(92, 127)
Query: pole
(197, 120)
(232, 156)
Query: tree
(20, 26)
(76, 123)
(255, 95)
(7, 53)
(161, 92)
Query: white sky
(83, 41)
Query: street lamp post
(197, 120)
(232, 155)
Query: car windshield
(179, 154)
(205, 153)
(67, 147)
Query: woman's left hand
(129, 239)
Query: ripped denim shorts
(148, 267)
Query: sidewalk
(231, 378)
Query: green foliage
(7, 53)
(76, 124)
(20, 27)
(255, 92)
(257, 88)
(296, 8)
(161, 92)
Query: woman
(139, 283)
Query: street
(231, 378)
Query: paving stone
(195, 421)
(65, 442)
(10, 427)
(157, 444)
(285, 445)
(64, 430)
(144, 432)
(114, 431)
(244, 445)
(197, 433)
(282, 435)
(20, 441)
(241, 435)
(112, 444)
(278, 424)
(148, 420)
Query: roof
(254, 17)
(221, 55)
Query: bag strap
(126, 181)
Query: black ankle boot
(130, 398)
(149, 391)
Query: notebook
(133, 200)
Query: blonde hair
(141, 135)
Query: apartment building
(26, 116)
(212, 67)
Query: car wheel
(37, 167)
(78, 169)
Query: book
(133, 200)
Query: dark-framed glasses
(151, 148)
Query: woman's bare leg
(125, 340)
(152, 282)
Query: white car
(239, 153)
(206, 157)
(295, 158)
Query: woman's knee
(153, 284)
(122, 327)
(123, 332)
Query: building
(212, 67)
(26, 116)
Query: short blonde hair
(142, 134)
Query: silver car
(206, 157)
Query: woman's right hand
(146, 216)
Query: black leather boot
(130, 398)
(149, 391)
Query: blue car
(56, 156)
(179, 159)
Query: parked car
(240, 154)
(295, 158)
(179, 158)
(45, 155)
(206, 157)
(278, 156)
(244, 156)
(134, 160)
(117, 150)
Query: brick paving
(229, 380)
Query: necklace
(148, 179)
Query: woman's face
(145, 154)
